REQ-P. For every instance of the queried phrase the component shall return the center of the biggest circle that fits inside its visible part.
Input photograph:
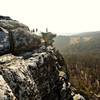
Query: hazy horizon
(78, 33)
(64, 17)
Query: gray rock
(4, 41)
(15, 37)
(28, 79)
(24, 40)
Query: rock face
(15, 36)
(30, 75)
(32, 78)
(4, 41)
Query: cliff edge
(29, 70)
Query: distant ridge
(85, 42)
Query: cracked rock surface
(27, 79)
(30, 70)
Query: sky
(64, 17)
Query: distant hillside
(82, 56)
(83, 42)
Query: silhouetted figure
(33, 30)
(46, 30)
(36, 30)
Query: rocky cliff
(31, 78)
(28, 69)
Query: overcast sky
(59, 16)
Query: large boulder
(22, 39)
(15, 36)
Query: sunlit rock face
(32, 78)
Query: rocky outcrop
(34, 73)
(29, 76)
(15, 37)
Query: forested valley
(82, 56)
